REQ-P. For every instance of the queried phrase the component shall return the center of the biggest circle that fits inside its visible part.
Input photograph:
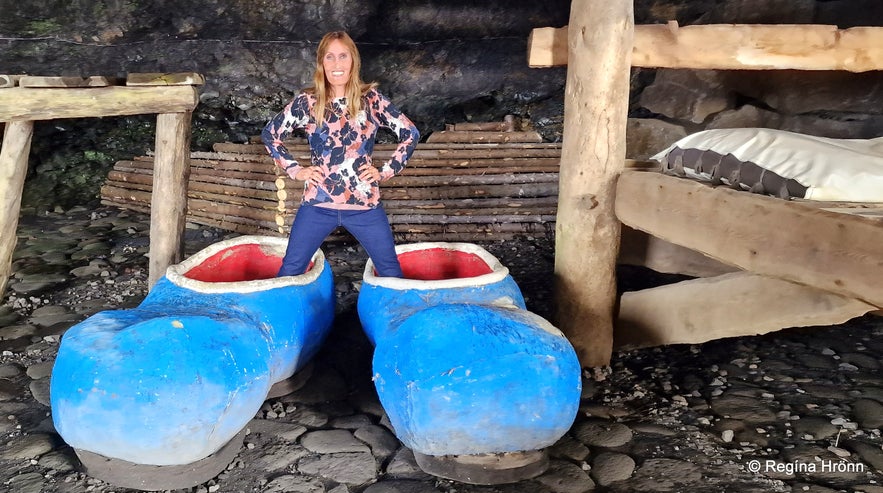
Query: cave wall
(439, 61)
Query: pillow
(781, 163)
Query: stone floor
(798, 410)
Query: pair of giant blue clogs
(158, 396)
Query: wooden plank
(734, 46)
(425, 151)
(840, 253)
(13, 169)
(639, 248)
(547, 47)
(28, 103)
(730, 305)
(9, 80)
(593, 154)
(66, 81)
(469, 136)
(165, 79)
(507, 125)
(168, 208)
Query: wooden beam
(593, 154)
(168, 207)
(13, 169)
(733, 46)
(9, 80)
(469, 136)
(730, 305)
(164, 79)
(639, 248)
(835, 252)
(27, 103)
(62, 81)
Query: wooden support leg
(168, 204)
(593, 154)
(13, 169)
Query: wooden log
(168, 207)
(479, 170)
(430, 151)
(445, 219)
(486, 214)
(257, 219)
(9, 80)
(255, 143)
(474, 191)
(165, 79)
(111, 191)
(507, 125)
(201, 173)
(835, 252)
(479, 137)
(257, 161)
(26, 103)
(587, 231)
(91, 81)
(267, 168)
(729, 305)
(134, 177)
(472, 204)
(446, 180)
(523, 228)
(639, 248)
(471, 237)
(13, 169)
(733, 46)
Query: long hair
(355, 88)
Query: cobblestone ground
(798, 410)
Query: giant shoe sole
(472, 382)
(157, 397)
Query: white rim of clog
(274, 245)
(499, 271)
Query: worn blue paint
(468, 370)
(174, 379)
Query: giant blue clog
(170, 384)
(472, 382)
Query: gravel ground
(798, 410)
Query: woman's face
(338, 64)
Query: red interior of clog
(435, 264)
(247, 262)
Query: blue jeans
(313, 224)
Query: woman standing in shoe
(340, 115)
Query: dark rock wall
(439, 61)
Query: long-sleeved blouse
(340, 146)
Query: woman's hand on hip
(310, 174)
(369, 173)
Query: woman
(341, 115)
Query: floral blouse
(341, 146)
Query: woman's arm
(295, 115)
(388, 116)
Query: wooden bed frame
(763, 263)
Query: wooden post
(168, 205)
(587, 232)
(13, 169)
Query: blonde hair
(355, 88)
